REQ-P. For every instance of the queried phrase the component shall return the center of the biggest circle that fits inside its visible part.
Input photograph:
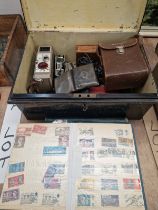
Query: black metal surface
(124, 96)
(66, 106)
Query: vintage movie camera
(43, 71)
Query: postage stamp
(134, 200)
(106, 142)
(62, 131)
(109, 200)
(119, 132)
(88, 155)
(40, 129)
(11, 195)
(88, 143)
(125, 142)
(52, 183)
(64, 141)
(50, 199)
(54, 169)
(29, 198)
(87, 184)
(54, 150)
(88, 170)
(131, 184)
(86, 132)
(16, 167)
(108, 169)
(23, 131)
(128, 168)
(116, 152)
(109, 184)
(19, 142)
(15, 181)
(85, 200)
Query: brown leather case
(124, 65)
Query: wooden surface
(147, 164)
(13, 27)
(151, 126)
(150, 45)
(4, 91)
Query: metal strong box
(65, 24)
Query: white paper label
(7, 137)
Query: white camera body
(43, 70)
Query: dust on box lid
(84, 16)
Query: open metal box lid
(84, 15)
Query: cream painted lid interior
(84, 15)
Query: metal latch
(120, 50)
(84, 95)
